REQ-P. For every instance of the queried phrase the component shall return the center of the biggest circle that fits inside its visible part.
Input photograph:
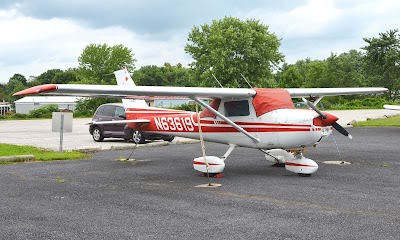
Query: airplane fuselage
(282, 128)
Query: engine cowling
(215, 164)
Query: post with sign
(61, 122)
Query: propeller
(341, 129)
(329, 119)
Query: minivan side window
(119, 111)
(99, 111)
(108, 111)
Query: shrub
(43, 112)
(86, 107)
(19, 116)
(188, 107)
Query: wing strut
(237, 127)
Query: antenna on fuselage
(246, 81)
(217, 80)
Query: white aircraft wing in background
(391, 107)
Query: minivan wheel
(97, 134)
(169, 139)
(137, 137)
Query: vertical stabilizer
(124, 79)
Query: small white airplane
(258, 118)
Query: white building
(27, 104)
(4, 108)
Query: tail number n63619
(174, 123)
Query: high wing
(319, 92)
(122, 92)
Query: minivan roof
(114, 104)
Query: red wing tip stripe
(298, 164)
(203, 163)
(37, 90)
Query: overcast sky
(38, 35)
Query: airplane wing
(122, 91)
(319, 92)
(391, 107)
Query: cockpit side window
(237, 108)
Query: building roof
(48, 99)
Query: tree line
(230, 50)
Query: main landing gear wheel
(97, 134)
(137, 137)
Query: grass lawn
(39, 153)
(384, 122)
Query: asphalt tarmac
(156, 197)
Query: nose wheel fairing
(301, 165)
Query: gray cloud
(144, 17)
(157, 30)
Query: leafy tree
(346, 70)
(291, 77)
(294, 75)
(16, 83)
(3, 93)
(96, 65)
(178, 75)
(45, 78)
(150, 75)
(167, 75)
(382, 56)
(98, 61)
(316, 75)
(68, 76)
(230, 47)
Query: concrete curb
(150, 144)
(24, 158)
(17, 158)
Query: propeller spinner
(329, 119)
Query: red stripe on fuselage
(182, 121)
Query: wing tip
(37, 90)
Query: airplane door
(240, 111)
